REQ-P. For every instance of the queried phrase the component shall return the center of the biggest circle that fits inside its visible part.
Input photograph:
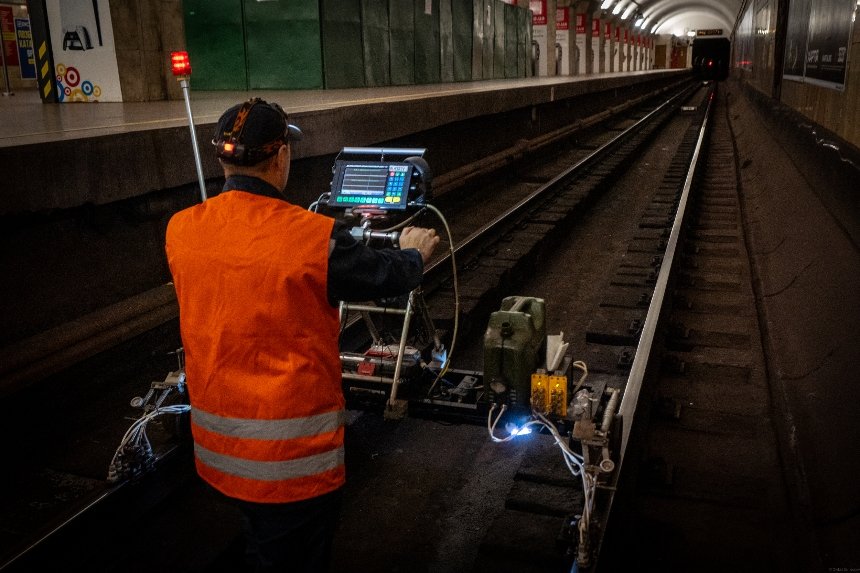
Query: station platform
(27, 121)
(65, 155)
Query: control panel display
(371, 184)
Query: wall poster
(562, 41)
(26, 60)
(817, 42)
(616, 50)
(540, 55)
(580, 44)
(795, 40)
(830, 24)
(607, 51)
(7, 35)
(84, 53)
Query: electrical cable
(445, 366)
(582, 366)
(575, 462)
(136, 436)
(313, 206)
(404, 223)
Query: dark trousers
(295, 537)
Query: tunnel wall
(802, 58)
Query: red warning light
(710, 63)
(180, 65)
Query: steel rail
(633, 387)
(437, 270)
(58, 528)
(436, 266)
(62, 525)
(639, 368)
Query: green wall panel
(343, 60)
(375, 39)
(526, 42)
(488, 56)
(499, 41)
(478, 39)
(446, 41)
(283, 44)
(401, 22)
(427, 46)
(217, 59)
(309, 44)
(511, 55)
(461, 24)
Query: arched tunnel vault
(673, 16)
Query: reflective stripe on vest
(286, 429)
(271, 471)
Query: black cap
(256, 136)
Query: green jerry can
(514, 347)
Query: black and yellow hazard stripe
(46, 75)
(44, 53)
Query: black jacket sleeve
(357, 272)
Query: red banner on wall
(7, 31)
(580, 23)
(538, 9)
(617, 34)
(607, 31)
(562, 19)
(595, 27)
(626, 36)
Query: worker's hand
(425, 240)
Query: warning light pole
(180, 65)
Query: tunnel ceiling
(675, 16)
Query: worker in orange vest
(258, 281)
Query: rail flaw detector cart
(376, 188)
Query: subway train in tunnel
(711, 58)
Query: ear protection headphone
(232, 149)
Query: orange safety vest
(261, 346)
